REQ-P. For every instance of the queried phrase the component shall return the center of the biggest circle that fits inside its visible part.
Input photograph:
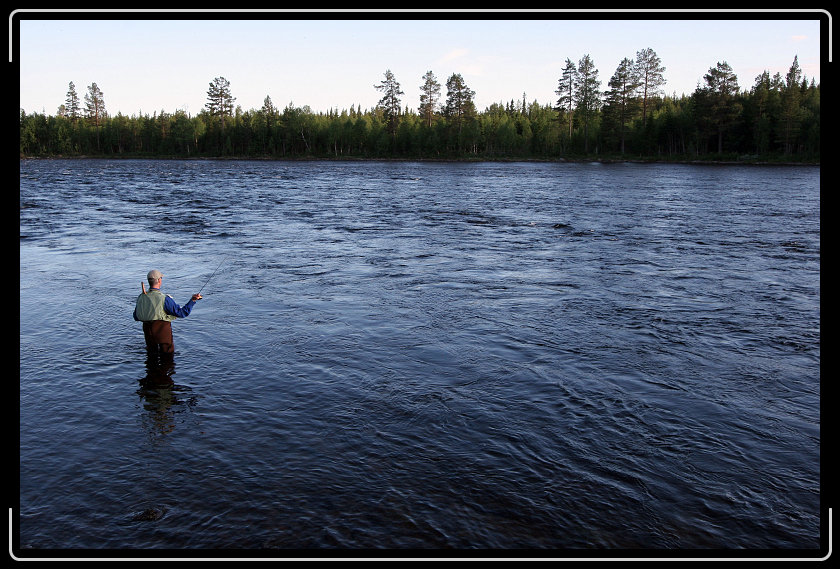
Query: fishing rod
(211, 276)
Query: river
(410, 356)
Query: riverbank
(738, 160)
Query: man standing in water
(157, 311)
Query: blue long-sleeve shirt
(171, 307)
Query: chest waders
(157, 324)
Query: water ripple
(422, 356)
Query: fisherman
(157, 311)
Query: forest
(776, 119)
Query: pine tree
(429, 97)
(219, 99)
(621, 101)
(587, 97)
(269, 109)
(566, 91)
(650, 71)
(720, 95)
(459, 101)
(95, 108)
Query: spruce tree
(791, 117)
(390, 102)
(72, 107)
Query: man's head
(154, 277)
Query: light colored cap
(154, 275)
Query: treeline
(776, 118)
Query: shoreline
(696, 161)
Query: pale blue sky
(334, 61)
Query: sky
(148, 63)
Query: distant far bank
(710, 160)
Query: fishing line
(211, 276)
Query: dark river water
(409, 356)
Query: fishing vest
(150, 307)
